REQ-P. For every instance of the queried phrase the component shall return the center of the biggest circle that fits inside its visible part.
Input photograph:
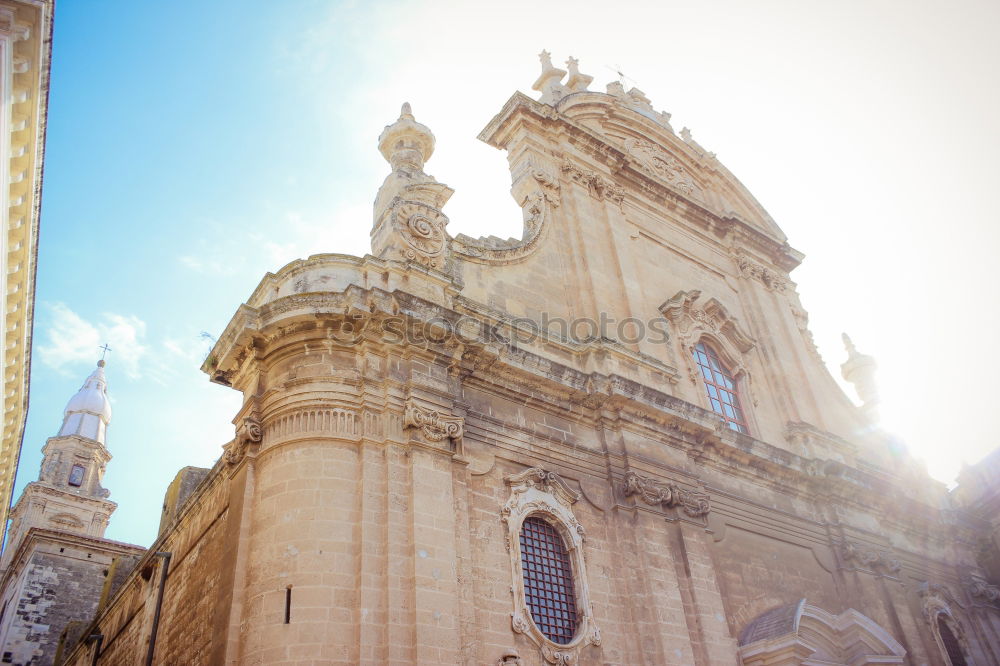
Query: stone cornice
(716, 222)
(37, 535)
(26, 38)
(485, 355)
(500, 365)
(39, 488)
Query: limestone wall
(383, 535)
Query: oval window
(549, 591)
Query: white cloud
(191, 350)
(207, 266)
(343, 230)
(70, 340)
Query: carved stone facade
(407, 412)
(25, 53)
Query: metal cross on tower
(105, 349)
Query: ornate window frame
(711, 323)
(537, 492)
(936, 605)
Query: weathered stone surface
(179, 491)
(54, 579)
(404, 412)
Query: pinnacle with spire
(859, 370)
(68, 495)
(410, 200)
(406, 144)
(88, 413)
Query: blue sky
(194, 146)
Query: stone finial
(546, 59)
(636, 100)
(549, 82)
(406, 144)
(639, 100)
(859, 370)
(576, 82)
(408, 222)
(689, 140)
(852, 351)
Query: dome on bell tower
(88, 412)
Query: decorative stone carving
(713, 317)
(249, 432)
(691, 323)
(859, 369)
(536, 491)
(753, 270)
(689, 140)
(576, 82)
(434, 425)
(549, 82)
(979, 588)
(336, 422)
(938, 604)
(869, 559)
(66, 520)
(409, 224)
(812, 442)
(536, 206)
(657, 163)
(548, 186)
(802, 323)
(599, 187)
(509, 658)
(653, 492)
(422, 229)
(636, 100)
(935, 598)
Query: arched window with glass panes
(720, 387)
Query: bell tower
(57, 563)
(68, 495)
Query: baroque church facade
(611, 441)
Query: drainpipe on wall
(159, 605)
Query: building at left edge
(58, 567)
(25, 50)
